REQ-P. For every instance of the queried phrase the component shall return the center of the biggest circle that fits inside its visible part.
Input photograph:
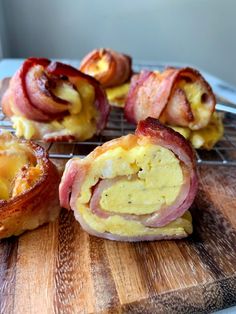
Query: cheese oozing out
(194, 92)
(149, 177)
(82, 119)
(97, 67)
(116, 95)
(206, 137)
(18, 169)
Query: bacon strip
(30, 93)
(155, 133)
(117, 72)
(158, 95)
(39, 203)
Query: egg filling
(18, 169)
(82, 119)
(144, 179)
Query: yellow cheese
(14, 157)
(4, 189)
(98, 67)
(206, 137)
(81, 122)
(24, 127)
(116, 95)
(27, 180)
(67, 92)
(194, 92)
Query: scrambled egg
(13, 157)
(206, 137)
(116, 95)
(82, 119)
(148, 177)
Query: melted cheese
(14, 157)
(67, 92)
(24, 127)
(116, 95)
(194, 92)
(25, 180)
(81, 122)
(206, 137)
(98, 67)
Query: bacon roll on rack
(54, 102)
(135, 188)
(112, 69)
(28, 186)
(177, 97)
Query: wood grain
(59, 268)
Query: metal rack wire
(224, 152)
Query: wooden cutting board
(59, 268)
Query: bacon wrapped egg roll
(177, 97)
(112, 69)
(54, 102)
(135, 188)
(28, 186)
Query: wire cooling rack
(224, 152)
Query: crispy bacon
(157, 95)
(37, 204)
(117, 72)
(30, 93)
(155, 133)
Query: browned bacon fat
(67, 102)
(28, 186)
(178, 97)
(109, 67)
(135, 188)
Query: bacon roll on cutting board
(28, 186)
(112, 69)
(179, 98)
(135, 188)
(54, 102)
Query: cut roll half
(135, 188)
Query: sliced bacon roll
(54, 101)
(135, 188)
(177, 97)
(28, 186)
